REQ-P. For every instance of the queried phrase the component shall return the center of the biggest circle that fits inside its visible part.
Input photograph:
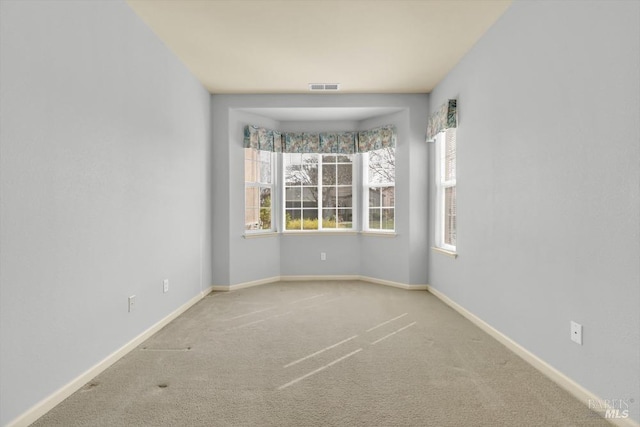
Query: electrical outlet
(323, 256)
(132, 303)
(576, 332)
(165, 285)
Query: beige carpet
(321, 354)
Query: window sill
(260, 234)
(379, 233)
(319, 233)
(445, 252)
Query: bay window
(315, 184)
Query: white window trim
(441, 186)
(274, 199)
(354, 197)
(365, 198)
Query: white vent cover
(314, 87)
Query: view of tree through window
(318, 191)
(380, 177)
(258, 177)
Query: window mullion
(319, 188)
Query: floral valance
(324, 142)
(443, 118)
(375, 139)
(262, 139)
(320, 142)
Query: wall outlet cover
(576, 332)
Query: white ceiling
(280, 46)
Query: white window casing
(446, 210)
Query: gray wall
(393, 259)
(548, 203)
(105, 183)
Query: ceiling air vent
(323, 87)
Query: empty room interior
(245, 213)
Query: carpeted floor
(321, 354)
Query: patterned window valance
(262, 139)
(320, 142)
(444, 118)
(382, 137)
(324, 142)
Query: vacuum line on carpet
(307, 298)
(282, 387)
(320, 351)
(321, 303)
(259, 321)
(393, 333)
(388, 321)
(248, 314)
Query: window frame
(366, 186)
(261, 185)
(319, 187)
(442, 184)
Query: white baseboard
(228, 288)
(48, 403)
(549, 371)
(306, 278)
(394, 284)
(318, 278)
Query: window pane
(329, 197)
(374, 219)
(450, 155)
(450, 216)
(265, 172)
(328, 159)
(292, 219)
(249, 170)
(292, 174)
(388, 196)
(382, 166)
(344, 159)
(374, 197)
(265, 197)
(250, 154)
(329, 219)
(251, 197)
(293, 197)
(328, 174)
(345, 196)
(265, 156)
(309, 197)
(310, 219)
(309, 171)
(265, 218)
(387, 222)
(344, 174)
(251, 219)
(345, 218)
